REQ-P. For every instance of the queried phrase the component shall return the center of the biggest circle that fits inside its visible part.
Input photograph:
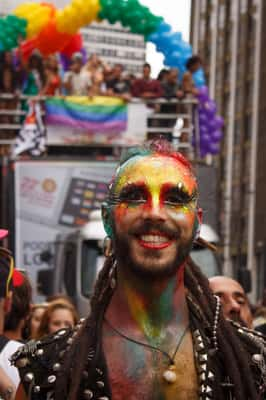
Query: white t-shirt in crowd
(9, 349)
(80, 83)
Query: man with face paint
(155, 331)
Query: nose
(153, 210)
(232, 307)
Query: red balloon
(27, 47)
(75, 44)
(50, 41)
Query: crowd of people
(46, 76)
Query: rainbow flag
(91, 114)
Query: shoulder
(39, 361)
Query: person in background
(97, 71)
(57, 315)
(235, 304)
(52, 85)
(170, 85)
(21, 304)
(76, 82)
(34, 75)
(7, 347)
(34, 320)
(193, 64)
(146, 87)
(116, 85)
(162, 76)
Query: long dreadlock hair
(231, 351)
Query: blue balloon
(164, 27)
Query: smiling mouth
(154, 241)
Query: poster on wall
(54, 197)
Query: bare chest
(136, 373)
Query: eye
(176, 196)
(133, 195)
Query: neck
(149, 306)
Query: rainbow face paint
(153, 210)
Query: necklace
(169, 374)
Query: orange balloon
(50, 41)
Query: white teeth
(154, 238)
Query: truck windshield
(91, 263)
(207, 261)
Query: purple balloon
(65, 61)
(204, 140)
(203, 94)
(216, 136)
(211, 108)
(219, 121)
(214, 148)
(83, 51)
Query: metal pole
(227, 269)
(214, 28)
(251, 264)
(195, 39)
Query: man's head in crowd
(117, 71)
(152, 213)
(194, 63)
(146, 71)
(76, 63)
(235, 304)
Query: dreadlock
(231, 351)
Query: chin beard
(124, 258)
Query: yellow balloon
(25, 10)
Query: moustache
(149, 227)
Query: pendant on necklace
(170, 374)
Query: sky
(177, 14)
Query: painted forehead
(154, 170)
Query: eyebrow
(181, 189)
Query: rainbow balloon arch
(41, 26)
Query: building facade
(115, 44)
(230, 36)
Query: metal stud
(85, 374)
(87, 394)
(257, 358)
(100, 372)
(51, 378)
(36, 389)
(62, 332)
(210, 376)
(29, 377)
(69, 340)
(203, 367)
(208, 389)
(203, 357)
(56, 367)
(103, 398)
(39, 352)
(203, 376)
(100, 384)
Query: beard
(151, 263)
